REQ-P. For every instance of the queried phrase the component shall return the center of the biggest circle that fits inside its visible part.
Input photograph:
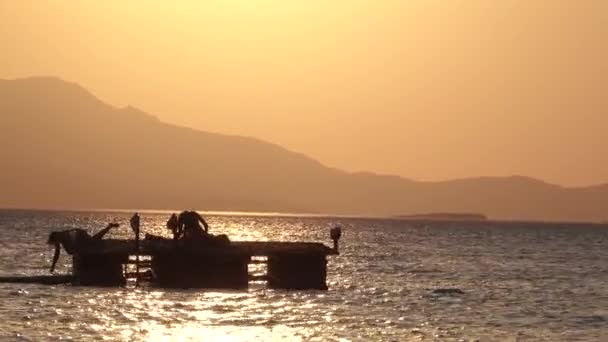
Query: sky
(425, 89)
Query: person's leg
(104, 231)
(55, 257)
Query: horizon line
(305, 215)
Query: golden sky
(426, 89)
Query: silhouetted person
(135, 223)
(71, 239)
(189, 225)
(174, 227)
(335, 234)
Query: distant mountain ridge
(63, 148)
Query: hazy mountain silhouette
(63, 148)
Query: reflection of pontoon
(290, 265)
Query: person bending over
(72, 239)
(189, 224)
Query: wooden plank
(250, 248)
(40, 279)
(141, 263)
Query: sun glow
(414, 78)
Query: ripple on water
(520, 282)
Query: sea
(519, 282)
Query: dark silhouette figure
(135, 223)
(189, 225)
(72, 239)
(335, 234)
(174, 227)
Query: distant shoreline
(444, 217)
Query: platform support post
(294, 271)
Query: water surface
(520, 282)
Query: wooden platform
(38, 279)
(235, 248)
(212, 263)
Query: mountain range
(61, 147)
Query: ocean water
(521, 282)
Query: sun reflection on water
(211, 316)
(195, 332)
(379, 287)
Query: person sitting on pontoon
(71, 239)
(173, 226)
(189, 226)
